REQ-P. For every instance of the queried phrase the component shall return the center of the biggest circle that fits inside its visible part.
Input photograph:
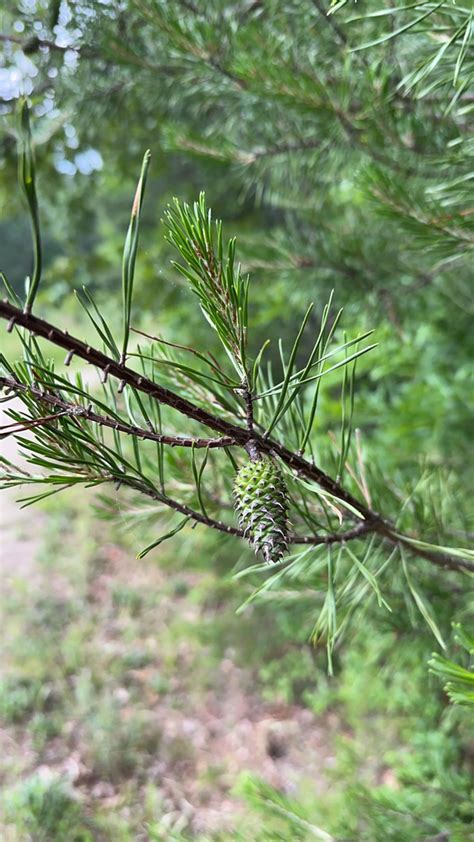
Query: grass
(44, 808)
(138, 706)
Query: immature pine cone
(261, 503)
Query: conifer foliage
(81, 437)
(346, 130)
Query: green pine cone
(261, 503)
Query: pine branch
(351, 534)
(77, 411)
(126, 376)
(88, 414)
(315, 540)
(329, 20)
(373, 521)
(198, 517)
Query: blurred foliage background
(337, 148)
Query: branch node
(105, 374)
(252, 449)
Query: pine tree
(347, 129)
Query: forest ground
(137, 705)
(163, 713)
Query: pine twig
(88, 414)
(375, 522)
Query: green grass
(112, 666)
(44, 809)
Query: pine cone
(261, 503)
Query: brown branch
(329, 20)
(74, 346)
(227, 74)
(34, 43)
(240, 435)
(248, 398)
(29, 424)
(334, 538)
(439, 560)
(126, 376)
(182, 508)
(79, 411)
(353, 135)
(316, 540)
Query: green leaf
(321, 492)
(212, 275)
(130, 252)
(300, 376)
(369, 576)
(457, 552)
(12, 295)
(197, 474)
(344, 362)
(459, 680)
(390, 35)
(286, 382)
(27, 178)
(100, 323)
(165, 537)
(327, 623)
(421, 603)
